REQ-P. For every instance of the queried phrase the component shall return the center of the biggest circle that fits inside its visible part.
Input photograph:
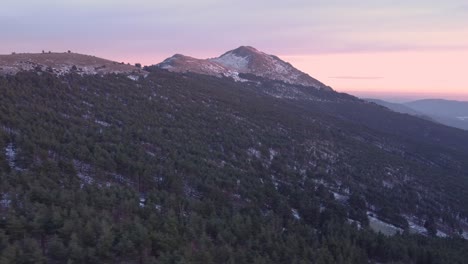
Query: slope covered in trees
(185, 168)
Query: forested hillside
(186, 168)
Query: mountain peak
(250, 48)
(244, 59)
(244, 51)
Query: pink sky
(396, 75)
(428, 73)
(396, 47)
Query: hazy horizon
(359, 47)
(395, 97)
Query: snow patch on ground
(133, 77)
(387, 184)
(102, 123)
(441, 234)
(358, 224)
(142, 201)
(233, 61)
(254, 152)
(152, 154)
(340, 197)
(273, 154)
(10, 154)
(120, 178)
(295, 214)
(275, 182)
(157, 207)
(5, 201)
(214, 68)
(380, 226)
(86, 179)
(465, 235)
(235, 76)
(83, 172)
(280, 68)
(416, 228)
(9, 130)
(165, 66)
(104, 185)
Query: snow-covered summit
(244, 59)
(237, 59)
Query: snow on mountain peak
(233, 60)
(244, 59)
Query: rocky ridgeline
(243, 60)
(64, 63)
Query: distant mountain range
(447, 112)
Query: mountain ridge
(61, 63)
(448, 112)
(243, 60)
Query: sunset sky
(383, 48)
